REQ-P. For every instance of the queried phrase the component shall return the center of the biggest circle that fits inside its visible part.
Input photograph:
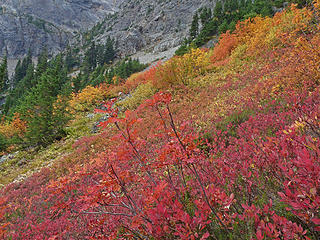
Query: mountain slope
(218, 143)
(32, 24)
(153, 26)
(54, 24)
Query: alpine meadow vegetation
(219, 143)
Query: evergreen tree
(223, 26)
(100, 49)
(70, 60)
(42, 62)
(21, 68)
(218, 12)
(109, 51)
(77, 82)
(90, 58)
(4, 73)
(205, 16)
(46, 118)
(18, 75)
(194, 30)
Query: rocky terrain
(36, 24)
(152, 26)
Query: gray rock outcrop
(154, 26)
(149, 25)
(36, 24)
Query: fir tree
(90, 58)
(194, 30)
(109, 51)
(4, 73)
(42, 62)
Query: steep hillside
(218, 143)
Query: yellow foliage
(261, 34)
(182, 70)
(316, 4)
(88, 98)
(141, 93)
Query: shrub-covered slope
(215, 144)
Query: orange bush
(15, 127)
(226, 44)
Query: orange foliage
(226, 44)
(137, 79)
(15, 127)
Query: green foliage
(124, 69)
(222, 18)
(194, 30)
(46, 120)
(184, 48)
(3, 143)
(22, 87)
(3, 73)
(42, 62)
(35, 98)
(98, 55)
(232, 122)
(21, 68)
(71, 59)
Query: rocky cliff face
(154, 26)
(151, 25)
(35, 24)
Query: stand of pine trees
(39, 92)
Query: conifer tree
(109, 51)
(45, 119)
(77, 82)
(194, 30)
(42, 62)
(218, 12)
(70, 60)
(90, 61)
(3, 73)
(205, 16)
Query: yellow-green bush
(141, 93)
(183, 70)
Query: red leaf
(259, 235)
(316, 221)
(205, 236)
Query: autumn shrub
(14, 127)
(253, 171)
(88, 98)
(227, 43)
(183, 69)
(12, 132)
(132, 82)
(141, 93)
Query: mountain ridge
(28, 24)
(34, 25)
